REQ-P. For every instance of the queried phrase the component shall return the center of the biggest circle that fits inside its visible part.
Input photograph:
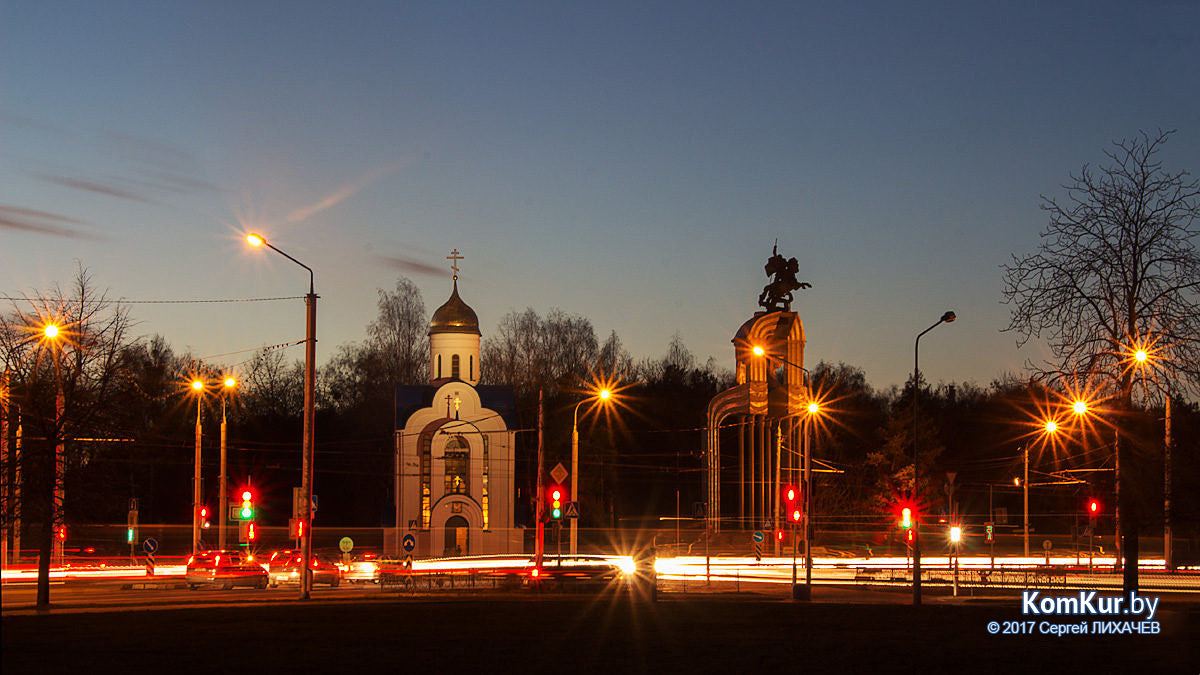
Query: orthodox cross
(455, 256)
(449, 399)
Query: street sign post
(345, 545)
(559, 473)
(150, 545)
(572, 510)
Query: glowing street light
(197, 518)
(1052, 427)
(602, 396)
(1079, 407)
(52, 333)
(230, 383)
(955, 534)
(310, 377)
(1140, 355)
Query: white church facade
(453, 470)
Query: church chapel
(453, 470)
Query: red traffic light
(796, 515)
(556, 495)
(910, 536)
(779, 535)
(790, 493)
(1093, 507)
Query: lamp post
(52, 333)
(306, 469)
(198, 387)
(602, 395)
(946, 318)
(223, 511)
(811, 410)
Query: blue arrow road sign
(150, 545)
(408, 543)
(758, 537)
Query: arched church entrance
(456, 539)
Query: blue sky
(630, 162)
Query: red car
(284, 568)
(224, 569)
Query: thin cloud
(408, 265)
(98, 188)
(33, 220)
(342, 194)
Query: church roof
(455, 316)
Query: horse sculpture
(777, 295)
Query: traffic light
(252, 531)
(557, 496)
(989, 533)
(906, 518)
(204, 518)
(61, 532)
(791, 501)
(247, 510)
(130, 536)
(779, 535)
(1093, 508)
(910, 536)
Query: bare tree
(1117, 270)
(1118, 266)
(399, 335)
(67, 386)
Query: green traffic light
(247, 513)
(129, 535)
(556, 513)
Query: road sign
(346, 544)
(150, 545)
(758, 551)
(409, 542)
(1047, 544)
(558, 473)
(408, 562)
(758, 537)
(572, 510)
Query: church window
(454, 366)
(484, 482)
(439, 367)
(425, 496)
(458, 466)
(471, 366)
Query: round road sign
(346, 544)
(409, 542)
(150, 545)
(758, 537)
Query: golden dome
(454, 317)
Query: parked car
(284, 568)
(224, 569)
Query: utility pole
(1026, 485)
(223, 509)
(540, 545)
(1168, 552)
(306, 486)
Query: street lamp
(52, 333)
(812, 408)
(223, 512)
(310, 358)
(947, 317)
(602, 396)
(198, 387)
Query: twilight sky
(630, 162)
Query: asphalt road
(607, 632)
